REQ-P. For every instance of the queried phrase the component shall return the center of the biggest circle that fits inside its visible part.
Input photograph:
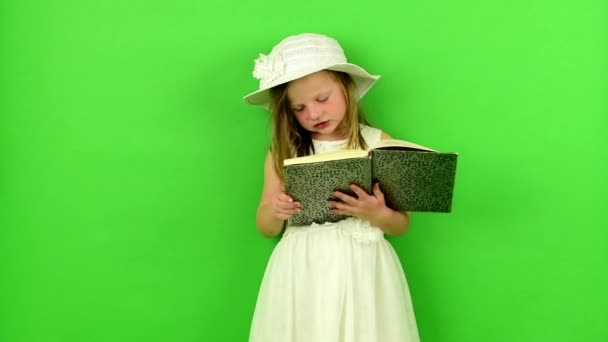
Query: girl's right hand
(284, 206)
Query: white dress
(334, 282)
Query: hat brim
(363, 82)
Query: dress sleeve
(371, 135)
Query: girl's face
(318, 104)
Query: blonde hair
(290, 139)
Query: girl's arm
(392, 222)
(275, 206)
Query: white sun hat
(300, 55)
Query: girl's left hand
(364, 206)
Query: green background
(130, 168)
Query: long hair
(290, 139)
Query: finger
(345, 198)
(332, 204)
(343, 207)
(285, 197)
(377, 192)
(358, 191)
(287, 212)
(286, 202)
(285, 208)
(283, 216)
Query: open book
(412, 178)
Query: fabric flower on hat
(269, 68)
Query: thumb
(377, 192)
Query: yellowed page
(338, 155)
(400, 143)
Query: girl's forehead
(310, 86)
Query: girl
(332, 282)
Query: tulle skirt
(336, 282)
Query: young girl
(332, 282)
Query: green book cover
(412, 178)
(415, 180)
(313, 184)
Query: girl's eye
(323, 99)
(298, 110)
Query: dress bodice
(371, 136)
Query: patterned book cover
(415, 180)
(313, 185)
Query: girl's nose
(314, 112)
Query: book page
(395, 143)
(337, 155)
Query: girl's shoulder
(369, 129)
(371, 134)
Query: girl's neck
(330, 138)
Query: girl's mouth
(322, 125)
